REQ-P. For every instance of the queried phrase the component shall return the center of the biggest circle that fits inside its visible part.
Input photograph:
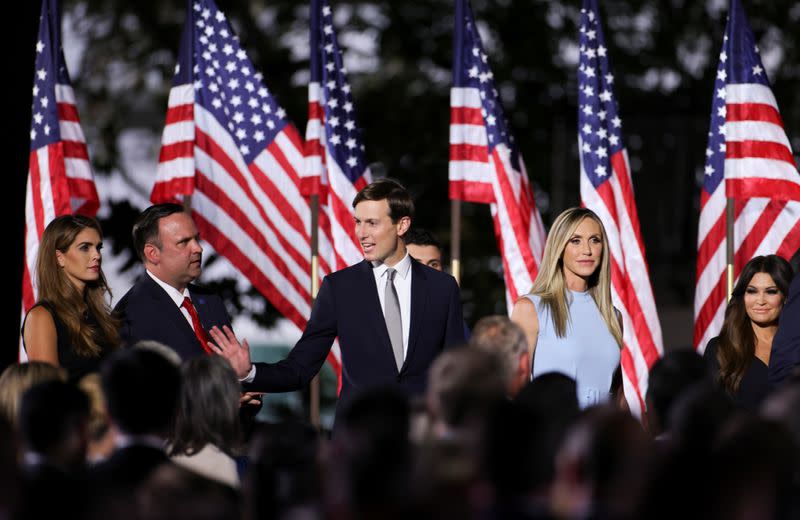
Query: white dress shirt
(175, 295)
(402, 283)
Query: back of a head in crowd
(753, 469)
(697, 417)
(373, 453)
(141, 388)
(53, 422)
(463, 383)
(283, 474)
(18, 378)
(208, 410)
(382, 414)
(500, 335)
(602, 465)
(552, 396)
(174, 493)
(670, 376)
(518, 456)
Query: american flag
(336, 168)
(607, 189)
(485, 163)
(749, 150)
(60, 177)
(228, 145)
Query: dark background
(663, 54)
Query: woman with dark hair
(71, 325)
(206, 435)
(739, 356)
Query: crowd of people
(147, 410)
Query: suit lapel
(419, 296)
(375, 313)
(172, 313)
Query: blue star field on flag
(599, 124)
(471, 69)
(327, 68)
(226, 82)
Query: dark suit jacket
(786, 345)
(348, 307)
(147, 313)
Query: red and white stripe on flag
(323, 176)
(761, 177)
(749, 160)
(60, 182)
(60, 177)
(478, 174)
(485, 164)
(228, 145)
(607, 189)
(631, 292)
(254, 215)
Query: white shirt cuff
(250, 375)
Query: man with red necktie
(164, 305)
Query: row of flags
(229, 151)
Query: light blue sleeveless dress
(588, 352)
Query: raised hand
(226, 345)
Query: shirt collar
(403, 267)
(174, 294)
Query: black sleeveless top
(75, 364)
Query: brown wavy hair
(56, 289)
(737, 339)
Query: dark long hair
(55, 288)
(737, 340)
(208, 412)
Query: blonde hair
(99, 422)
(551, 287)
(18, 378)
(56, 289)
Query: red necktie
(201, 335)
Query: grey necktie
(394, 323)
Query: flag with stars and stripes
(607, 189)
(485, 163)
(60, 177)
(749, 151)
(336, 168)
(228, 145)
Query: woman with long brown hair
(739, 356)
(71, 325)
(571, 324)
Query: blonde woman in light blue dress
(571, 325)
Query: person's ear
(402, 225)
(60, 258)
(152, 254)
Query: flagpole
(730, 215)
(314, 390)
(455, 240)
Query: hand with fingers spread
(226, 345)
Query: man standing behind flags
(391, 314)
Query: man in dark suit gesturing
(392, 315)
(163, 305)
